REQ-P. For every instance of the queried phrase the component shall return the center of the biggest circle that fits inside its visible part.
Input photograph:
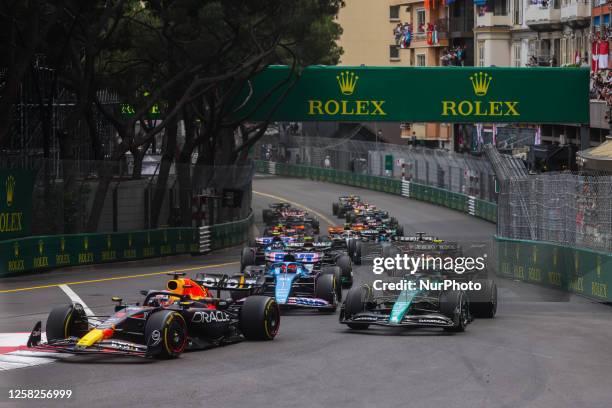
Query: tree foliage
(189, 58)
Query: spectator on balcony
(435, 38)
(432, 34)
(533, 61)
(460, 54)
(604, 48)
(585, 61)
(405, 35)
(397, 32)
(453, 57)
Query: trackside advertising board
(420, 94)
(575, 270)
(15, 203)
(44, 252)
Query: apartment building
(600, 14)
(546, 33)
(370, 38)
(461, 27)
(518, 33)
(531, 32)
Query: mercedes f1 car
(410, 308)
(482, 302)
(168, 322)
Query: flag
(595, 54)
(538, 136)
(494, 135)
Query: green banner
(420, 94)
(44, 252)
(573, 269)
(388, 162)
(231, 233)
(15, 203)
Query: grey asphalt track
(544, 348)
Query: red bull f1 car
(183, 316)
(283, 213)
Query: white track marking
(17, 339)
(321, 216)
(22, 358)
(77, 299)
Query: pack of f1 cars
(184, 316)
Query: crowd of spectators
(404, 34)
(542, 3)
(601, 85)
(601, 75)
(454, 56)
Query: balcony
(420, 40)
(543, 15)
(576, 13)
(461, 26)
(489, 19)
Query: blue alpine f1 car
(292, 284)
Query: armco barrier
(46, 252)
(457, 201)
(230, 233)
(576, 270)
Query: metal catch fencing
(67, 195)
(569, 209)
(460, 173)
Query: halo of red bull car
(291, 266)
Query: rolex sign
(15, 203)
